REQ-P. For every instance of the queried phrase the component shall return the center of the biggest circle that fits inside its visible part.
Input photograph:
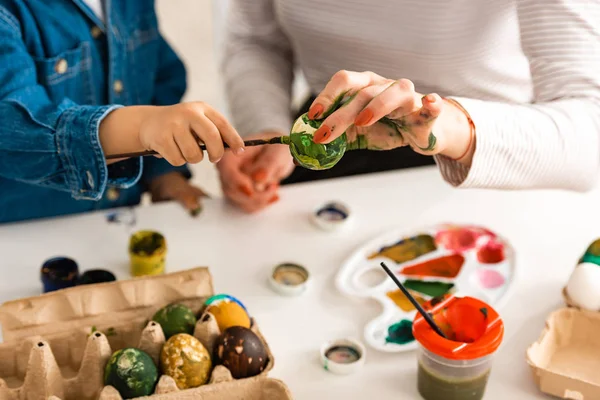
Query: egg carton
(57, 344)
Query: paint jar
(457, 367)
(59, 273)
(94, 276)
(147, 253)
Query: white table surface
(549, 230)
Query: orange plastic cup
(457, 367)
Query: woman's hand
(382, 114)
(251, 180)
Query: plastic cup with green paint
(457, 367)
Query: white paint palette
(465, 260)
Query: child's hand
(174, 131)
(174, 186)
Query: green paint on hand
(433, 289)
(431, 144)
(400, 333)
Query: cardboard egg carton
(57, 344)
(565, 360)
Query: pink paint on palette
(489, 279)
(462, 238)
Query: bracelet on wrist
(471, 126)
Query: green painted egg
(185, 360)
(132, 372)
(174, 319)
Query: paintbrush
(248, 143)
(414, 302)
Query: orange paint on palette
(442, 267)
(402, 301)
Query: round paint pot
(343, 356)
(331, 216)
(289, 279)
(147, 253)
(96, 276)
(59, 273)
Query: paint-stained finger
(342, 83)
(396, 101)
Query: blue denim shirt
(62, 71)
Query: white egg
(583, 287)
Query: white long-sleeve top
(527, 71)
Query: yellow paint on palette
(407, 249)
(402, 301)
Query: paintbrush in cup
(247, 143)
(414, 302)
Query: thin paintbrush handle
(414, 302)
(248, 143)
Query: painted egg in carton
(57, 345)
(583, 288)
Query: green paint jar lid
(343, 356)
(289, 279)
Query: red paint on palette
(457, 239)
(442, 267)
(491, 253)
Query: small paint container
(289, 279)
(331, 216)
(459, 364)
(147, 253)
(59, 273)
(96, 276)
(343, 356)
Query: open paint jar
(59, 273)
(457, 367)
(289, 279)
(94, 276)
(343, 356)
(147, 253)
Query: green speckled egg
(132, 372)
(174, 319)
(185, 360)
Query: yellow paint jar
(147, 253)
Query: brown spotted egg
(241, 351)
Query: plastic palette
(465, 260)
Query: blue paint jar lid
(343, 356)
(59, 273)
(331, 215)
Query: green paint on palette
(400, 333)
(433, 289)
(590, 258)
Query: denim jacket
(62, 70)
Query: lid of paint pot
(331, 215)
(473, 329)
(343, 356)
(289, 279)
